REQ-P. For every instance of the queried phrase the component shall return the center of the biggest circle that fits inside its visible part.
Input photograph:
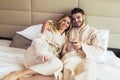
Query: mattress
(11, 60)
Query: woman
(42, 56)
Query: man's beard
(82, 22)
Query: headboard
(16, 15)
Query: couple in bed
(78, 46)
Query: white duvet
(108, 66)
(11, 60)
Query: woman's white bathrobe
(50, 43)
(94, 43)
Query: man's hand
(76, 44)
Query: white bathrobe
(50, 43)
(93, 45)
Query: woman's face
(65, 23)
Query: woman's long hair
(57, 23)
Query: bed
(11, 60)
(17, 18)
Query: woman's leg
(17, 74)
(50, 67)
(38, 77)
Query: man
(83, 46)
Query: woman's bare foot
(10, 76)
(37, 77)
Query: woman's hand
(46, 26)
(43, 57)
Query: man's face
(77, 19)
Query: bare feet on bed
(10, 76)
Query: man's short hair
(77, 10)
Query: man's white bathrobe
(94, 43)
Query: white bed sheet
(5, 42)
(108, 72)
(108, 66)
(11, 60)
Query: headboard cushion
(16, 15)
(28, 12)
(53, 6)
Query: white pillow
(104, 34)
(31, 32)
